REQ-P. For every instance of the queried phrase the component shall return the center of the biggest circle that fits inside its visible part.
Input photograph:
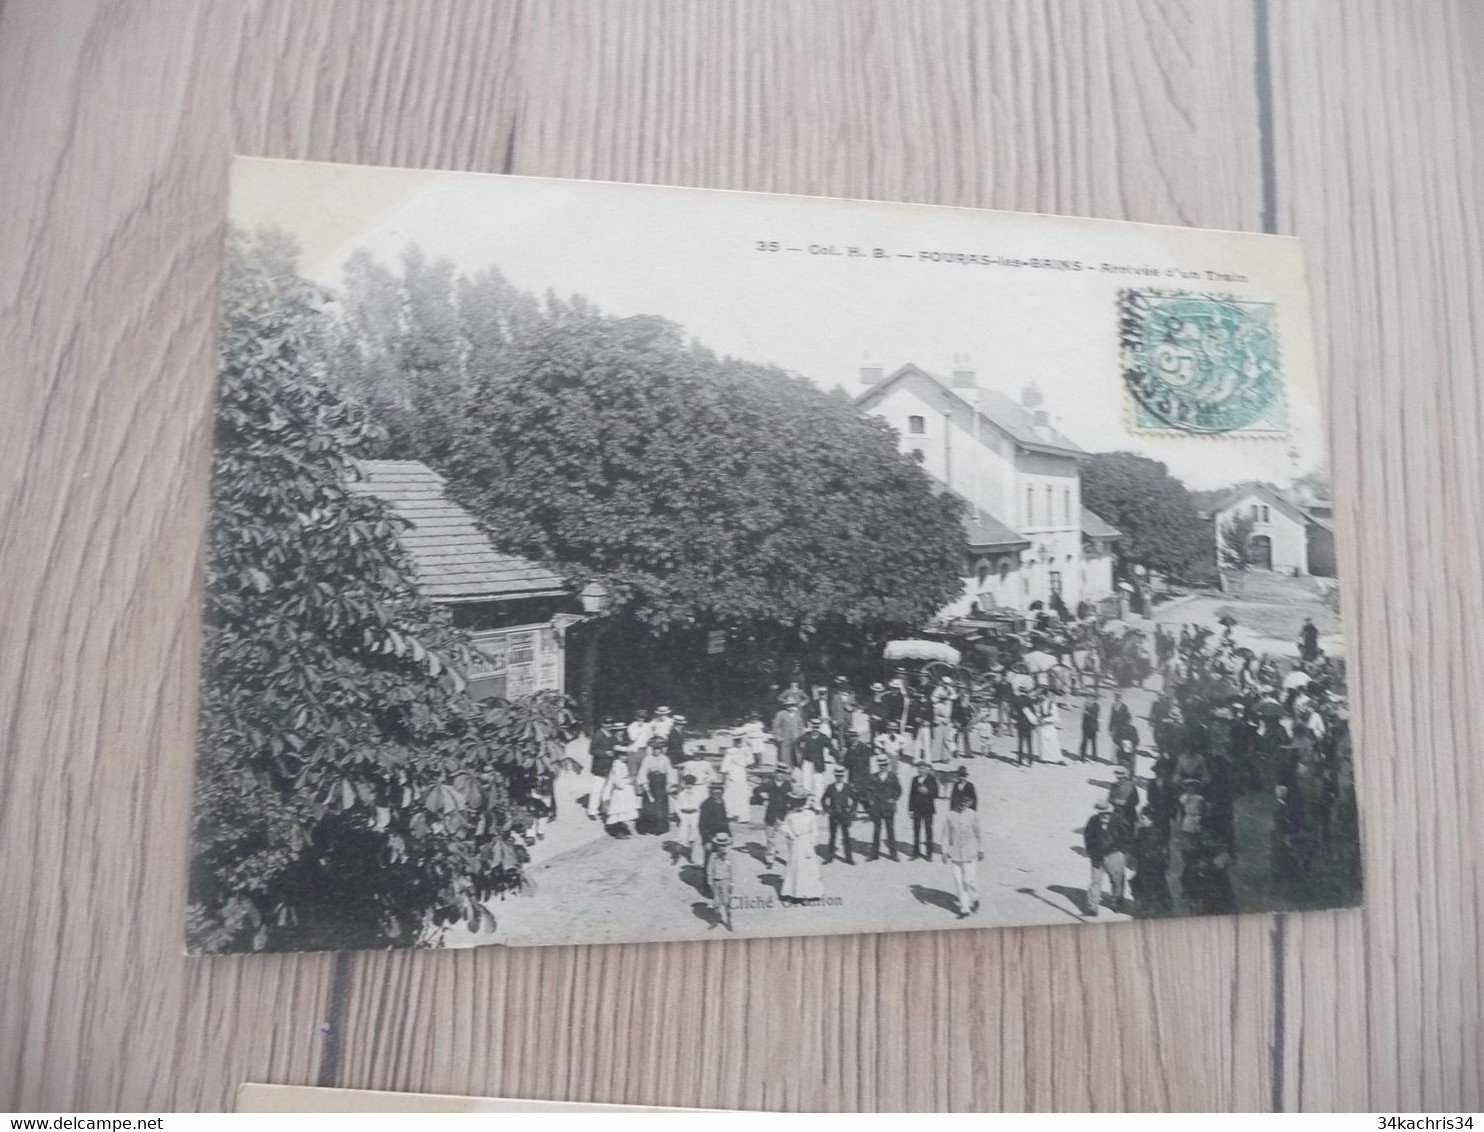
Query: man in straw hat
(1103, 839)
(719, 876)
(883, 792)
(963, 849)
(922, 805)
(839, 803)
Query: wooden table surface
(1355, 124)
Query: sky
(705, 260)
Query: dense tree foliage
(705, 492)
(1236, 542)
(1162, 528)
(701, 490)
(347, 792)
(409, 345)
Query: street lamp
(594, 598)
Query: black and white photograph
(603, 563)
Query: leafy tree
(704, 491)
(1314, 484)
(347, 792)
(405, 344)
(1162, 528)
(1236, 542)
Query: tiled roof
(454, 559)
(986, 531)
(1095, 526)
(994, 407)
(1275, 498)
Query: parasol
(1295, 680)
(922, 650)
(1125, 587)
(1226, 619)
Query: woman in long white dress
(620, 802)
(737, 795)
(801, 878)
(1048, 734)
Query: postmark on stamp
(1201, 363)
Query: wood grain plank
(108, 299)
(1380, 173)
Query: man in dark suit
(603, 750)
(1102, 838)
(1123, 796)
(1120, 719)
(896, 702)
(775, 808)
(1025, 727)
(922, 805)
(876, 708)
(815, 748)
(817, 706)
(839, 802)
(1089, 744)
(963, 790)
(857, 759)
(712, 818)
(841, 705)
(883, 792)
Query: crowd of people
(826, 766)
(1224, 723)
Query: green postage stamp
(1198, 363)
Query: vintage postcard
(594, 563)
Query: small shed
(511, 607)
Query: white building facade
(1020, 478)
(1280, 529)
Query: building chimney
(871, 373)
(1042, 418)
(962, 376)
(1030, 397)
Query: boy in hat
(719, 876)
